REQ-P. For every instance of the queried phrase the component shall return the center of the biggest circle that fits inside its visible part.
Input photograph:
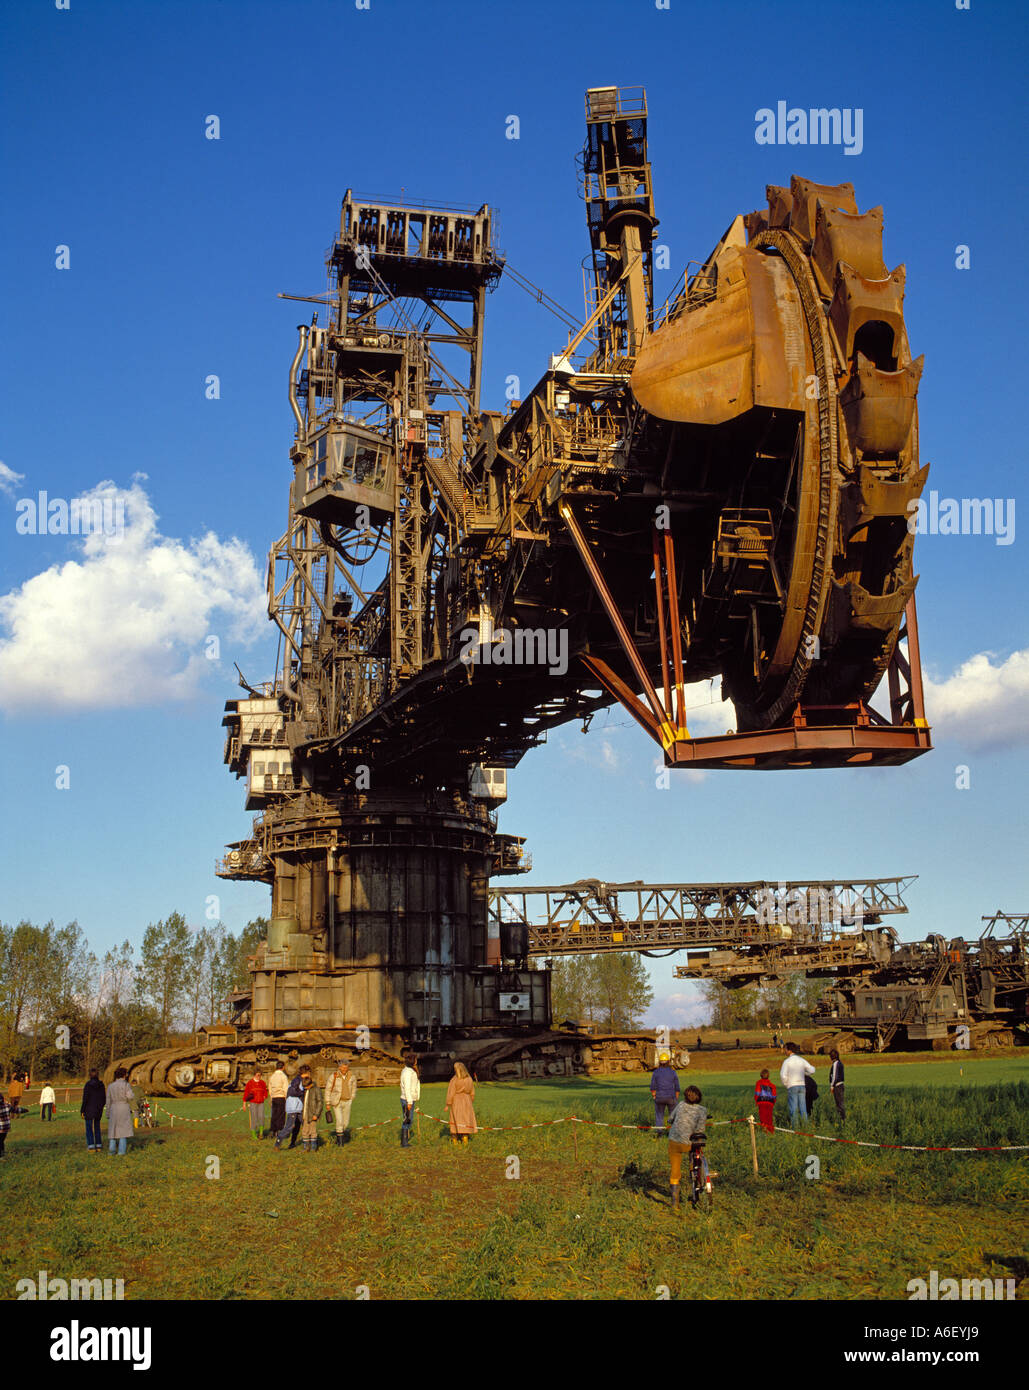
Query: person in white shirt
(47, 1102)
(410, 1094)
(792, 1073)
(278, 1086)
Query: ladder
(911, 1008)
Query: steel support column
(667, 733)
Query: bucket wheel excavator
(718, 488)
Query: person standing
(5, 1122)
(764, 1097)
(460, 1095)
(295, 1105)
(15, 1091)
(254, 1096)
(836, 1083)
(311, 1113)
(278, 1086)
(340, 1090)
(47, 1102)
(792, 1074)
(664, 1092)
(94, 1097)
(410, 1094)
(120, 1100)
(293, 1109)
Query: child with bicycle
(688, 1123)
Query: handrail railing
(615, 101)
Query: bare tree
(212, 972)
(119, 972)
(94, 988)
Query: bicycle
(145, 1117)
(700, 1181)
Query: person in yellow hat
(664, 1091)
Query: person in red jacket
(254, 1097)
(764, 1096)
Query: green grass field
(588, 1216)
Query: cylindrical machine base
(379, 921)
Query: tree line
(791, 1002)
(64, 1008)
(612, 992)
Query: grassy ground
(587, 1217)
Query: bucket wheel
(786, 371)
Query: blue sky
(178, 246)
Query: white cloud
(126, 624)
(9, 480)
(678, 1011)
(707, 713)
(595, 750)
(982, 705)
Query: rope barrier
(796, 1134)
(199, 1120)
(504, 1129)
(910, 1148)
(206, 1119)
(613, 1124)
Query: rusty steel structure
(938, 993)
(707, 920)
(890, 994)
(716, 487)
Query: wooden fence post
(753, 1142)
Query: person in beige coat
(460, 1095)
(121, 1102)
(340, 1090)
